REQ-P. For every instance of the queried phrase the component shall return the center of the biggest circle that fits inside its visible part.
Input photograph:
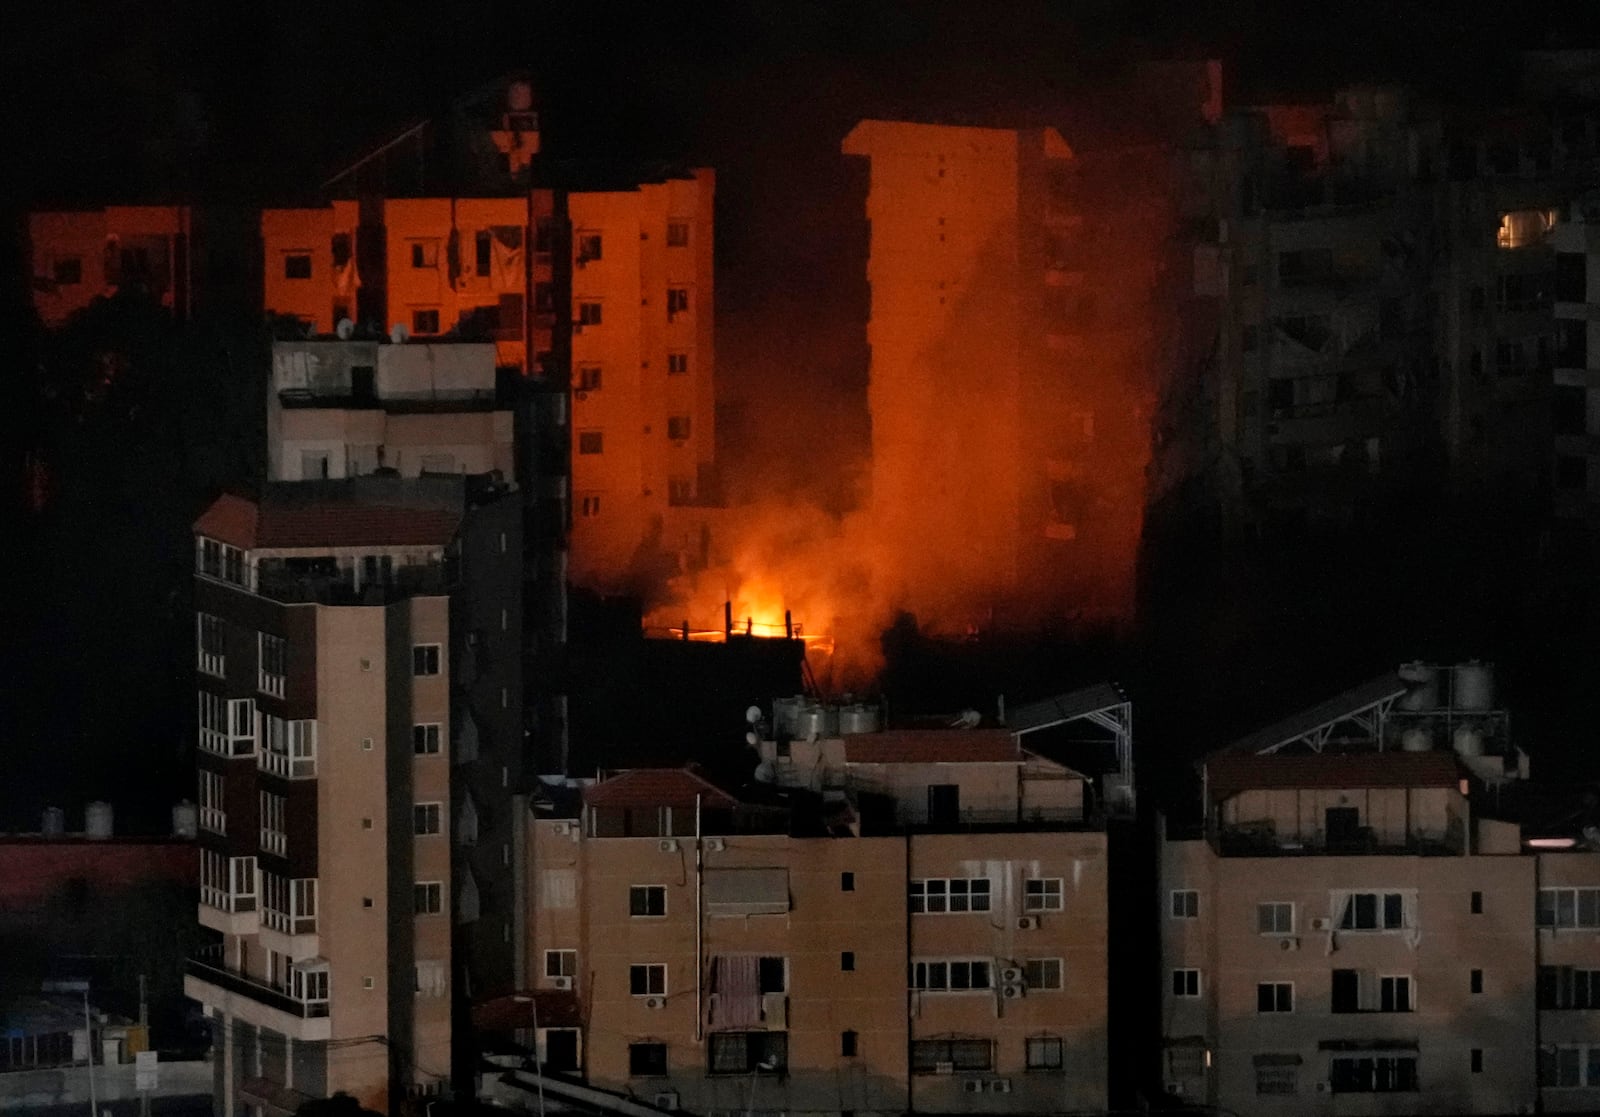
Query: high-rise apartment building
(359, 750)
(1370, 919)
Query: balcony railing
(295, 587)
(273, 841)
(286, 924)
(1252, 841)
(207, 969)
(214, 819)
(233, 902)
(286, 766)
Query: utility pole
(88, 1029)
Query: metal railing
(207, 968)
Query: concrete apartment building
(359, 740)
(78, 256)
(882, 922)
(1360, 926)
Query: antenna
(398, 333)
(345, 330)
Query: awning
(1276, 1060)
(747, 891)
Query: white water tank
(1422, 686)
(786, 716)
(1474, 686)
(97, 818)
(858, 718)
(54, 823)
(1468, 740)
(185, 820)
(1416, 739)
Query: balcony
(227, 913)
(1247, 840)
(248, 999)
(338, 587)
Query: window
(1041, 894)
(1477, 903)
(589, 247)
(289, 906)
(1275, 996)
(1185, 904)
(588, 314)
(297, 265)
(1374, 911)
(847, 1044)
(561, 963)
(677, 234)
(1042, 973)
(680, 491)
(425, 320)
(747, 1053)
(424, 253)
(588, 379)
(482, 252)
(425, 740)
(426, 818)
(274, 834)
(648, 980)
(272, 653)
(213, 816)
(310, 986)
(677, 302)
(931, 1056)
(425, 659)
(1569, 1065)
(427, 897)
(847, 960)
(938, 896)
(847, 882)
(1477, 1060)
(1185, 983)
(1275, 918)
(677, 364)
(1475, 981)
(211, 643)
(951, 976)
(1568, 907)
(647, 1060)
(1564, 987)
(288, 748)
(591, 442)
(1373, 1074)
(677, 427)
(227, 883)
(647, 900)
(1278, 1074)
(589, 505)
(432, 979)
(1044, 1053)
(69, 271)
(227, 725)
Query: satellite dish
(345, 330)
(752, 738)
(398, 333)
(753, 715)
(763, 772)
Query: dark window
(1477, 1060)
(1563, 987)
(647, 899)
(677, 234)
(677, 302)
(543, 235)
(1346, 991)
(588, 314)
(678, 427)
(929, 1056)
(847, 1044)
(591, 442)
(847, 882)
(747, 1053)
(1343, 825)
(589, 379)
(561, 1049)
(425, 659)
(1044, 1053)
(69, 271)
(1572, 472)
(1476, 981)
(544, 298)
(1572, 277)
(677, 364)
(1381, 1074)
(647, 1060)
(589, 247)
(847, 960)
(1274, 996)
(341, 249)
(944, 804)
(1280, 396)
(363, 382)
(424, 321)
(424, 254)
(297, 265)
(1568, 405)
(1477, 903)
(483, 251)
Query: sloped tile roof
(250, 526)
(933, 746)
(231, 520)
(642, 788)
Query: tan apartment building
(346, 708)
(1360, 926)
(81, 255)
(916, 922)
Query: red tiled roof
(641, 788)
(933, 746)
(1228, 774)
(231, 520)
(249, 526)
(551, 1008)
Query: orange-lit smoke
(1013, 371)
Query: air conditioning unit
(667, 1099)
(999, 1085)
(655, 1002)
(1320, 924)
(1027, 922)
(561, 982)
(1011, 992)
(1288, 942)
(560, 829)
(973, 1085)
(1011, 975)
(944, 1068)
(668, 845)
(715, 845)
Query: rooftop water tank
(54, 823)
(185, 820)
(1422, 686)
(858, 718)
(1474, 686)
(786, 715)
(1416, 739)
(1468, 740)
(97, 820)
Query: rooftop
(1229, 773)
(646, 788)
(358, 512)
(934, 746)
